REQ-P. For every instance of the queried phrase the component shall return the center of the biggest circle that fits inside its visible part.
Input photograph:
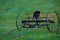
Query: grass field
(9, 10)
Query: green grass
(9, 10)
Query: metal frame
(31, 26)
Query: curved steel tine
(16, 22)
(47, 21)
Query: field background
(9, 10)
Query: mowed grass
(9, 10)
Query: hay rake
(37, 20)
